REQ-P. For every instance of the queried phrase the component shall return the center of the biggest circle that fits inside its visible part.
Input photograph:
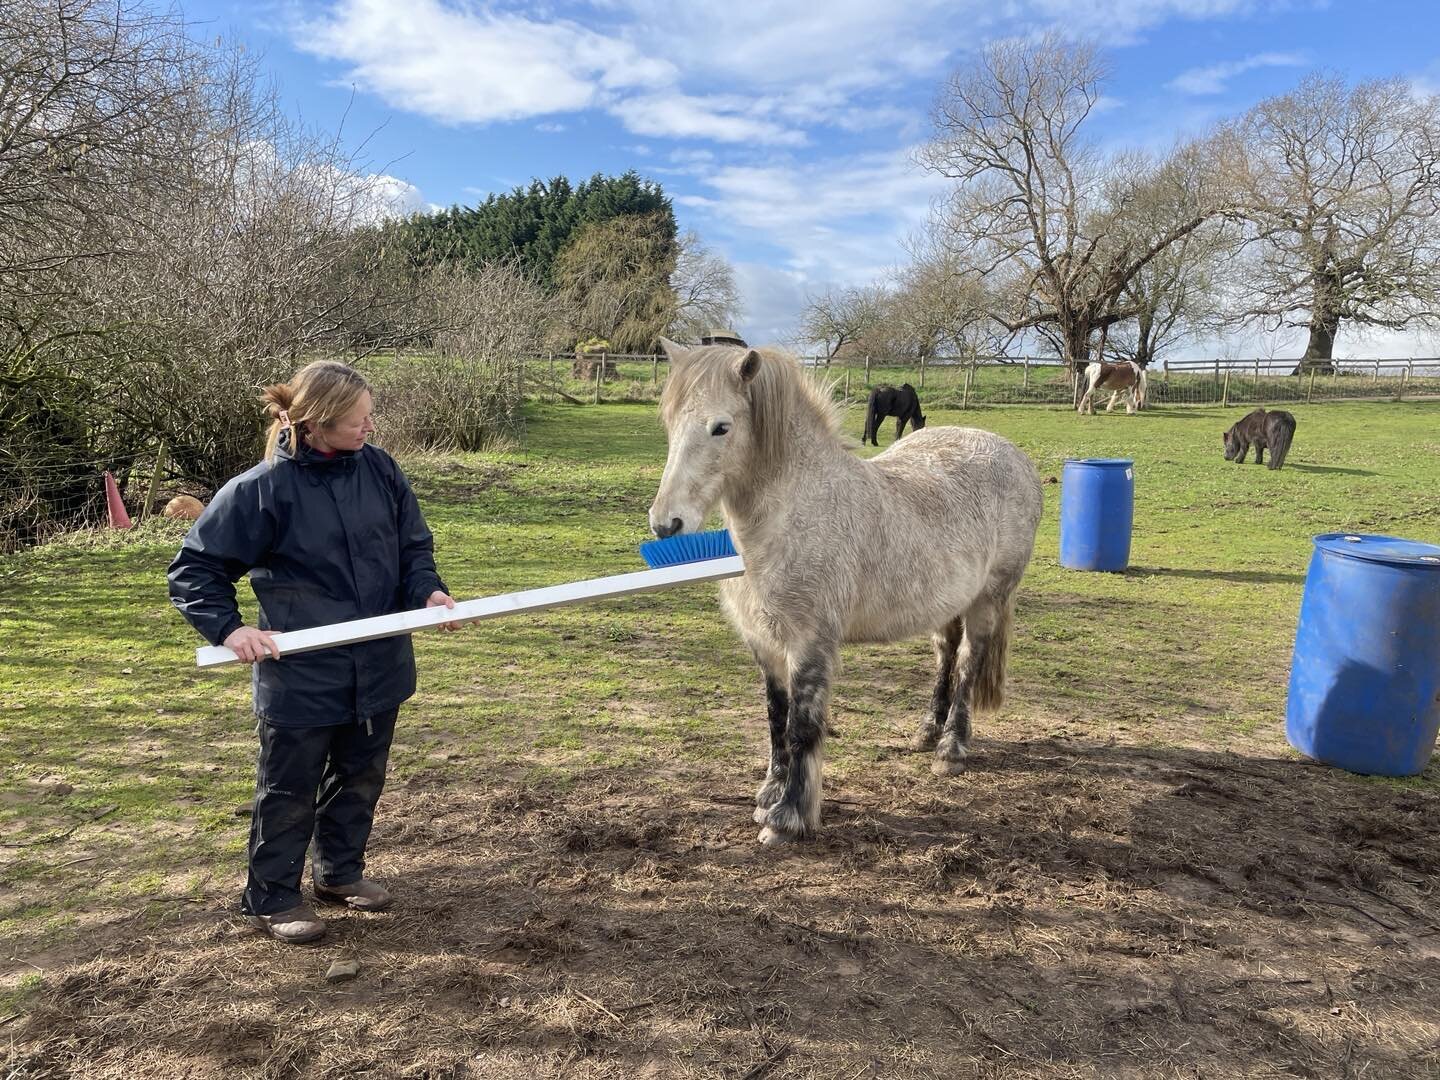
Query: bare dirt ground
(1067, 909)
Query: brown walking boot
(362, 895)
(294, 927)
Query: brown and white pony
(1126, 377)
(929, 537)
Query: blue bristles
(687, 548)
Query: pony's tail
(869, 420)
(1281, 433)
(987, 687)
(1143, 382)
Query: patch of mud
(1066, 909)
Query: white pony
(1126, 377)
(929, 537)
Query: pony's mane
(782, 396)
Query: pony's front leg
(777, 704)
(1130, 402)
(797, 815)
(1113, 395)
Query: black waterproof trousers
(317, 788)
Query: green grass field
(122, 766)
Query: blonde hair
(316, 396)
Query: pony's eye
(720, 429)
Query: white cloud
(679, 116)
(549, 127)
(712, 70)
(1212, 78)
(380, 196)
(472, 65)
(837, 221)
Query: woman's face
(349, 432)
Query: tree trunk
(1320, 351)
(1076, 340)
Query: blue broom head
(687, 548)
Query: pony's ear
(670, 348)
(748, 365)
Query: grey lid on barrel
(1102, 462)
(1382, 549)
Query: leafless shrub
(465, 392)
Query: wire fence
(962, 382)
(55, 489)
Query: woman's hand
(437, 598)
(251, 644)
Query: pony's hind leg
(980, 684)
(797, 815)
(947, 644)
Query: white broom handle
(488, 607)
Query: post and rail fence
(966, 381)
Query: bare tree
(704, 288)
(1178, 293)
(1343, 189)
(91, 95)
(168, 241)
(1037, 205)
(840, 317)
(938, 307)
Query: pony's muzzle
(664, 531)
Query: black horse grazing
(1265, 431)
(903, 404)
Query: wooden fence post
(867, 372)
(154, 488)
(922, 371)
(1225, 391)
(847, 383)
(1025, 379)
(969, 377)
(1310, 390)
(599, 377)
(655, 370)
(1376, 378)
(1217, 370)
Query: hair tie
(284, 419)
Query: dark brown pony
(903, 404)
(1271, 431)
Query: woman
(329, 530)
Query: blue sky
(783, 130)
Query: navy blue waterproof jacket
(324, 540)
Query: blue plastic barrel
(1097, 508)
(1365, 677)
